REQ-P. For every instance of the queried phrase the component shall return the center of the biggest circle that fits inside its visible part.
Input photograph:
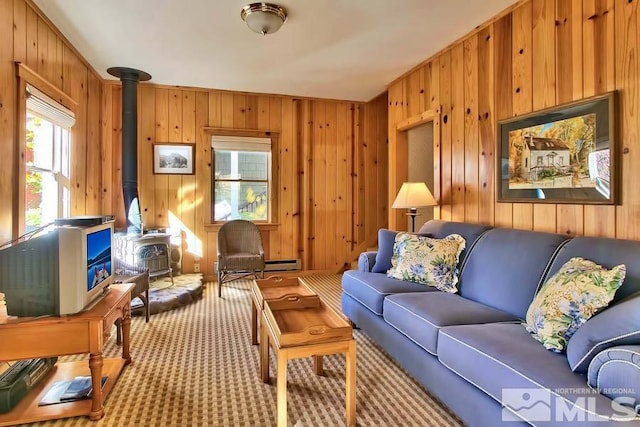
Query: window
(242, 178)
(47, 162)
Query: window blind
(240, 143)
(47, 108)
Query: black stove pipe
(130, 78)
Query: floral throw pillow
(568, 299)
(427, 260)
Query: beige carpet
(195, 366)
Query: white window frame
(45, 100)
(60, 147)
(246, 144)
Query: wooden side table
(305, 327)
(273, 288)
(140, 290)
(80, 333)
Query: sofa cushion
(370, 289)
(568, 299)
(440, 229)
(617, 325)
(420, 316)
(433, 262)
(607, 253)
(385, 250)
(505, 362)
(503, 272)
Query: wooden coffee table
(273, 288)
(300, 327)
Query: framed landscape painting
(565, 154)
(175, 159)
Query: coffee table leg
(264, 353)
(282, 388)
(317, 363)
(351, 383)
(254, 324)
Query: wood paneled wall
(27, 37)
(330, 172)
(541, 54)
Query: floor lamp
(413, 195)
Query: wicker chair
(240, 252)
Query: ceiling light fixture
(263, 18)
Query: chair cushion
(370, 289)
(614, 326)
(433, 262)
(420, 316)
(504, 361)
(385, 250)
(567, 300)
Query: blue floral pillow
(568, 299)
(427, 260)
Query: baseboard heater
(282, 265)
(276, 265)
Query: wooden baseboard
(294, 273)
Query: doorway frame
(399, 166)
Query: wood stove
(150, 251)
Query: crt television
(60, 272)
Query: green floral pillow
(427, 260)
(568, 299)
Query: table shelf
(28, 411)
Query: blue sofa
(470, 349)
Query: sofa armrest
(366, 261)
(615, 373)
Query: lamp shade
(413, 195)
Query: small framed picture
(176, 159)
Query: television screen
(98, 257)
